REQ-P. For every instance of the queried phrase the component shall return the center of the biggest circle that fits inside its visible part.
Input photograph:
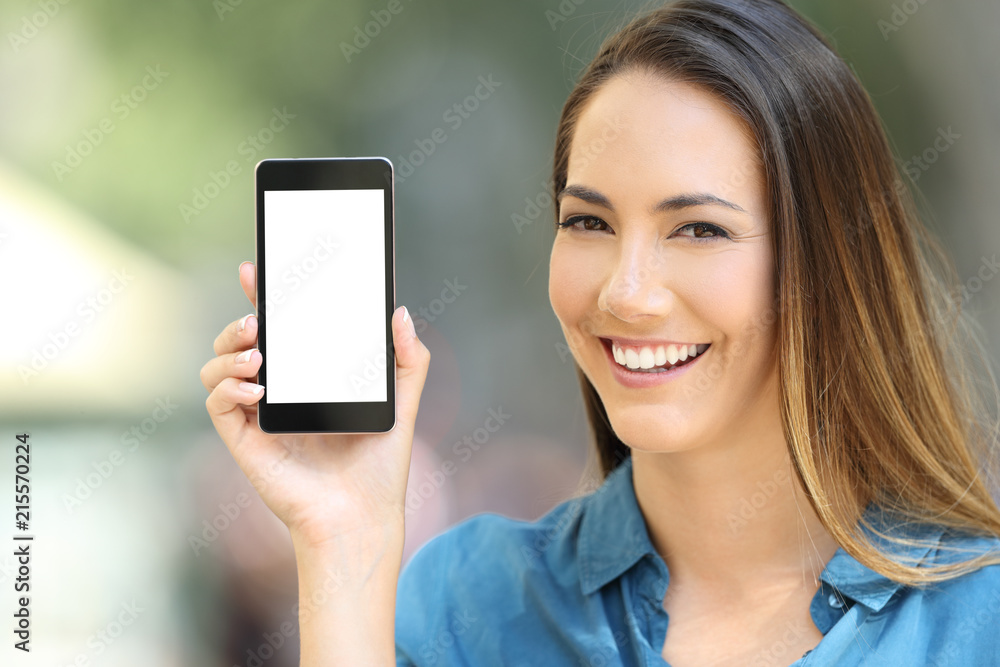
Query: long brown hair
(903, 424)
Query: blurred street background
(128, 136)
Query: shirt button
(834, 601)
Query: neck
(732, 513)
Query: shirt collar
(866, 586)
(613, 538)
(613, 534)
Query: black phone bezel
(326, 174)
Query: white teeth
(647, 357)
(672, 354)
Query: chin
(653, 428)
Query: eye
(702, 231)
(589, 223)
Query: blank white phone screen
(324, 257)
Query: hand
(322, 486)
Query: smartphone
(325, 295)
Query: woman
(794, 454)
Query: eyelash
(717, 232)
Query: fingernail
(244, 357)
(251, 388)
(409, 322)
(243, 323)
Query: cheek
(574, 282)
(733, 291)
(738, 299)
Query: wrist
(350, 561)
(347, 597)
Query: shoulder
(954, 547)
(502, 547)
(960, 615)
(975, 590)
(476, 568)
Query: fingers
(244, 364)
(225, 407)
(238, 335)
(412, 361)
(248, 280)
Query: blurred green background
(120, 239)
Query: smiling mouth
(654, 359)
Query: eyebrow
(675, 203)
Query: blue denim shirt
(583, 586)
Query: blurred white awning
(88, 320)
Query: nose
(637, 287)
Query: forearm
(347, 599)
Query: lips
(650, 378)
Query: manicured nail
(244, 356)
(409, 322)
(251, 388)
(243, 323)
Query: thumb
(412, 360)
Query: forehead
(641, 133)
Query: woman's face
(649, 270)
